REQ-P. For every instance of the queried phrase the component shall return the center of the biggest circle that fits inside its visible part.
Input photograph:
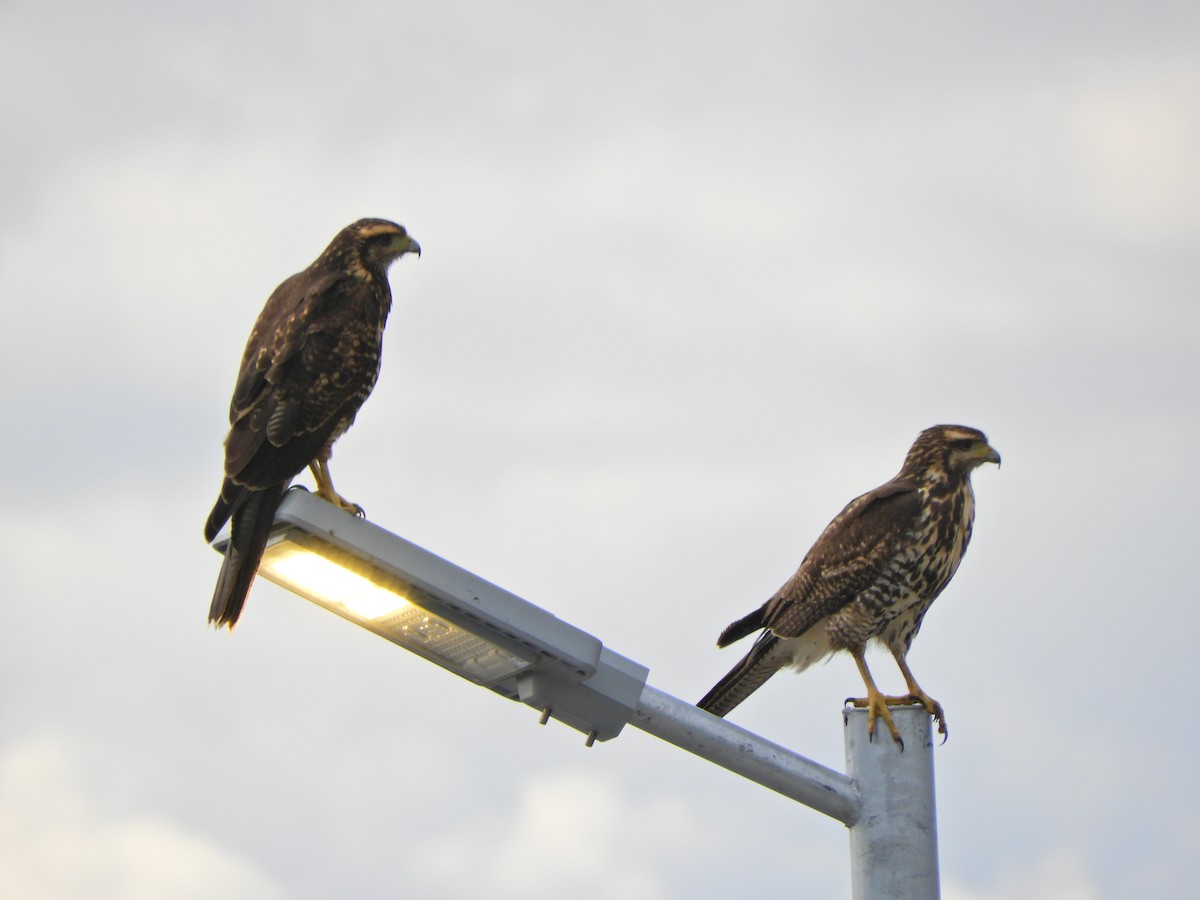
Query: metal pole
(747, 754)
(893, 845)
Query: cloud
(568, 833)
(57, 842)
(1137, 142)
(1062, 875)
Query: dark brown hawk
(311, 361)
(872, 574)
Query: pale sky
(694, 276)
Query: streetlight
(449, 616)
(495, 639)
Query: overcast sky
(694, 276)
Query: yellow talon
(916, 695)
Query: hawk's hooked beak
(410, 246)
(987, 453)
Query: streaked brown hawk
(871, 575)
(310, 363)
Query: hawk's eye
(963, 443)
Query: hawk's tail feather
(742, 627)
(230, 495)
(746, 677)
(252, 521)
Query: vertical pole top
(893, 845)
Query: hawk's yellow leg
(916, 695)
(320, 470)
(876, 703)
